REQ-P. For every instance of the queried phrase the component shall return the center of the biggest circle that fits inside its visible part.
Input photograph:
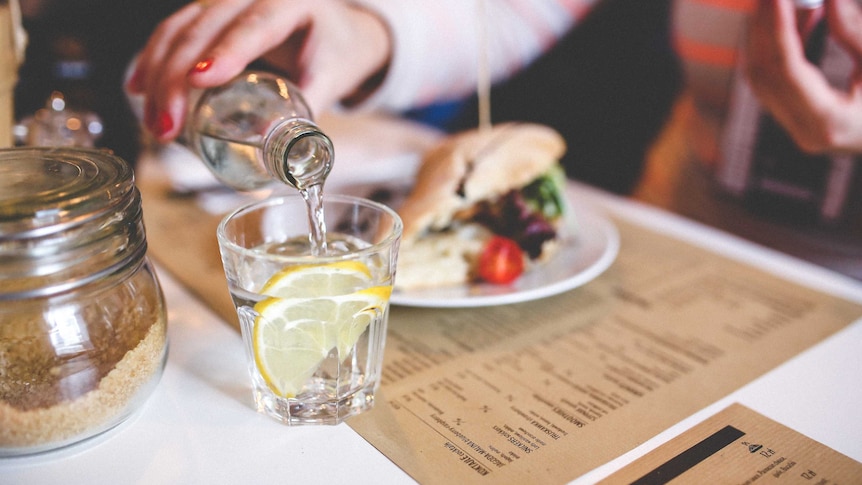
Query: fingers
(255, 30)
(792, 89)
(176, 45)
(773, 41)
(329, 75)
(159, 44)
(845, 23)
(145, 78)
(328, 47)
(819, 117)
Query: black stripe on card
(689, 458)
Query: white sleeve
(436, 44)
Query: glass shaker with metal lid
(82, 317)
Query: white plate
(581, 258)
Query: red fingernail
(134, 83)
(163, 124)
(202, 66)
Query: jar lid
(68, 217)
(51, 187)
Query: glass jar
(82, 317)
(257, 129)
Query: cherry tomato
(501, 261)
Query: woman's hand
(330, 48)
(819, 117)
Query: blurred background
(82, 48)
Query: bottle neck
(298, 153)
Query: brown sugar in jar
(82, 319)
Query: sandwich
(486, 206)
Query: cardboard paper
(544, 391)
(740, 446)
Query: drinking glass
(313, 322)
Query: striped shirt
(447, 36)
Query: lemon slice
(292, 336)
(350, 330)
(314, 280)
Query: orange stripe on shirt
(705, 53)
(737, 5)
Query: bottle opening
(307, 158)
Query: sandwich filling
(528, 216)
(478, 186)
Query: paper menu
(547, 390)
(578, 379)
(740, 446)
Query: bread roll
(473, 166)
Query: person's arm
(390, 54)
(819, 117)
(329, 47)
(436, 45)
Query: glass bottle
(83, 337)
(256, 129)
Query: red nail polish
(163, 124)
(202, 66)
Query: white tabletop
(199, 426)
